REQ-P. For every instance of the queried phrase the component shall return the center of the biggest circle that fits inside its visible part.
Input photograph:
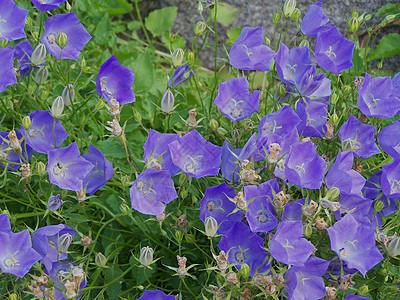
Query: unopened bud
(282, 90)
(41, 168)
(353, 24)
(167, 102)
(177, 57)
(364, 289)
(68, 6)
(190, 57)
(213, 124)
(394, 247)
(146, 256)
(307, 229)
(41, 75)
(61, 40)
(82, 63)
(288, 7)
(63, 242)
(57, 107)
(81, 195)
(100, 260)
(211, 226)
(295, 16)
(125, 208)
(378, 206)
(304, 43)
(68, 94)
(26, 122)
(200, 28)
(222, 131)
(86, 240)
(54, 202)
(276, 18)
(39, 55)
(333, 194)
(137, 116)
(200, 8)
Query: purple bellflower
(261, 213)
(41, 134)
(235, 101)
(180, 75)
(23, 51)
(314, 20)
(310, 82)
(151, 191)
(54, 202)
(292, 64)
(358, 138)
(288, 245)
(12, 21)
(45, 242)
(342, 176)
(304, 167)
(68, 279)
(306, 282)
(313, 115)
(377, 97)
(244, 247)
(10, 155)
(389, 139)
(355, 297)
(390, 180)
(5, 223)
(216, 204)
(16, 254)
(354, 243)
(115, 81)
(333, 52)
(293, 210)
(7, 72)
(48, 4)
(353, 204)
(77, 36)
(67, 168)
(249, 51)
(156, 151)
(101, 172)
(195, 156)
(155, 295)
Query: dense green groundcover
(144, 42)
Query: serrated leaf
(389, 45)
(143, 69)
(388, 9)
(161, 20)
(103, 30)
(114, 289)
(173, 42)
(111, 147)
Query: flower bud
(100, 260)
(86, 240)
(26, 122)
(41, 168)
(137, 116)
(54, 203)
(82, 63)
(161, 217)
(200, 28)
(332, 194)
(334, 119)
(295, 16)
(289, 7)
(190, 57)
(304, 43)
(307, 230)
(211, 226)
(368, 17)
(146, 256)
(39, 55)
(213, 124)
(57, 107)
(167, 102)
(282, 90)
(244, 271)
(68, 94)
(63, 242)
(394, 247)
(41, 75)
(200, 8)
(378, 206)
(61, 40)
(363, 289)
(276, 18)
(353, 24)
(184, 193)
(68, 6)
(177, 57)
(125, 208)
(222, 131)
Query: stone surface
(259, 13)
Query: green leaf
(103, 30)
(225, 13)
(388, 9)
(161, 20)
(114, 289)
(233, 35)
(115, 7)
(111, 147)
(134, 25)
(173, 41)
(143, 69)
(389, 45)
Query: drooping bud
(304, 43)
(394, 247)
(14, 142)
(58, 107)
(378, 206)
(54, 202)
(222, 261)
(182, 222)
(61, 40)
(26, 122)
(231, 277)
(320, 224)
(177, 56)
(41, 75)
(39, 55)
(146, 256)
(192, 117)
(25, 170)
(211, 226)
(330, 293)
(161, 217)
(274, 150)
(68, 94)
(330, 127)
(167, 102)
(199, 28)
(100, 260)
(241, 202)
(182, 265)
(114, 108)
(63, 242)
(115, 128)
(86, 240)
(310, 209)
(327, 204)
(289, 7)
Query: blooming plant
(131, 169)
